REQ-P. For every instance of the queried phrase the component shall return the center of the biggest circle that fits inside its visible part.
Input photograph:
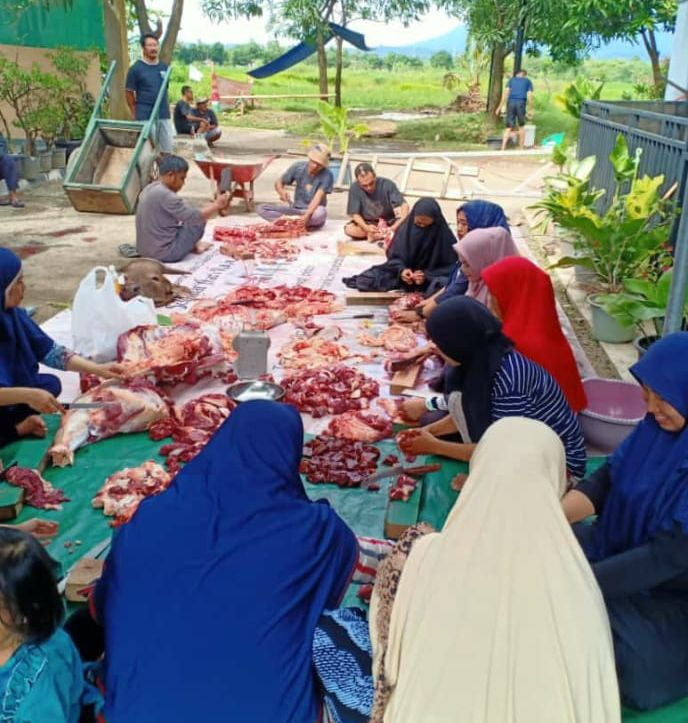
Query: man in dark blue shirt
(517, 94)
(144, 80)
(9, 172)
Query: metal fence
(659, 128)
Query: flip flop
(18, 204)
(128, 251)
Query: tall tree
(629, 20)
(497, 24)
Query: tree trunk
(338, 73)
(117, 48)
(322, 67)
(494, 93)
(650, 43)
(173, 25)
(142, 17)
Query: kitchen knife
(353, 316)
(401, 469)
(88, 405)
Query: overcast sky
(195, 26)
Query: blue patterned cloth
(342, 654)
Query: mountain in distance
(455, 42)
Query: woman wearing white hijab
(498, 618)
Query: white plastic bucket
(529, 141)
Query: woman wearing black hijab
(489, 380)
(420, 258)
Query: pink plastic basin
(614, 409)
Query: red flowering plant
(628, 241)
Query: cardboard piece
(84, 574)
(358, 248)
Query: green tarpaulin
(364, 511)
(79, 25)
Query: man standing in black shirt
(372, 199)
(142, 86)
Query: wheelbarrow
(243, 175)
(115, 160)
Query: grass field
(369, 92)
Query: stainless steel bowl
(247, 391)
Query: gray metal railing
(660, 128)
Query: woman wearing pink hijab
(476, 251)
(479, 249)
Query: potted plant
(628, 240)
(338, 131)
(640, 302)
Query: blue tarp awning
(305, 49)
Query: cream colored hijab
(498, 618)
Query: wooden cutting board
(402, 515)
(11, 501)
(373, 298)
(405, 379)
(85, 572)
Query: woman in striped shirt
(490, 380)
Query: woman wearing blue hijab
(22, 346)
(212, 592)
(638, 546)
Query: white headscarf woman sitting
(498, 618)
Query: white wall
(678, 68)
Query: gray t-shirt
(159, 214)
(376, 205)
(307, 185)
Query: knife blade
(353, 316)
(402, 469)
(87, 405)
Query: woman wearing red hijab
(521, 295)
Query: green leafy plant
(641, 300)
(629, 239)
(336, 127)
(570, 100)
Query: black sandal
(128, 251)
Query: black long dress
(429, 249)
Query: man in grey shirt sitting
(372, 199)
(312, 183)
(167, 227)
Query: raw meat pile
(39, 492)
(403, 488)
(224, 314)
(191, 428)
(259, 246)
(311, 353)
(339, 461)
(404, 303)
(130, 407)
(285, 227)
(361, 426)
(293, 301)
(172, 355)
(394, 338)
(123, 491)
(329, 390)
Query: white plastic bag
(99, 316)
